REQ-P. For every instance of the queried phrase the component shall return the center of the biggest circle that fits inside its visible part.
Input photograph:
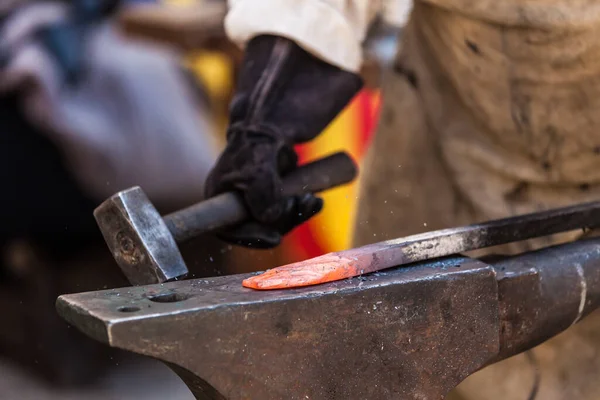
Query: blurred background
(97, 97)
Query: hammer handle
(228, 209)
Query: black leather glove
(285, 96)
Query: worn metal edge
(84, 320)
(99, 323)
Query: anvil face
(409, 333)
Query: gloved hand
(285, 96)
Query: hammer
(144, 244)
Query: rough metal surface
(543, 293)
(408, 333)
(138, 238)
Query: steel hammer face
(138, 238)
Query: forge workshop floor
(143, 379)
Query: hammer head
(139, 239)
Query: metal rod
(392, 253)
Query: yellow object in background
(181, 2)
(331, 230)
(213, 69)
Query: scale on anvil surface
(413, 331)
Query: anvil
(413, 332)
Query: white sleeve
(332, 30)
